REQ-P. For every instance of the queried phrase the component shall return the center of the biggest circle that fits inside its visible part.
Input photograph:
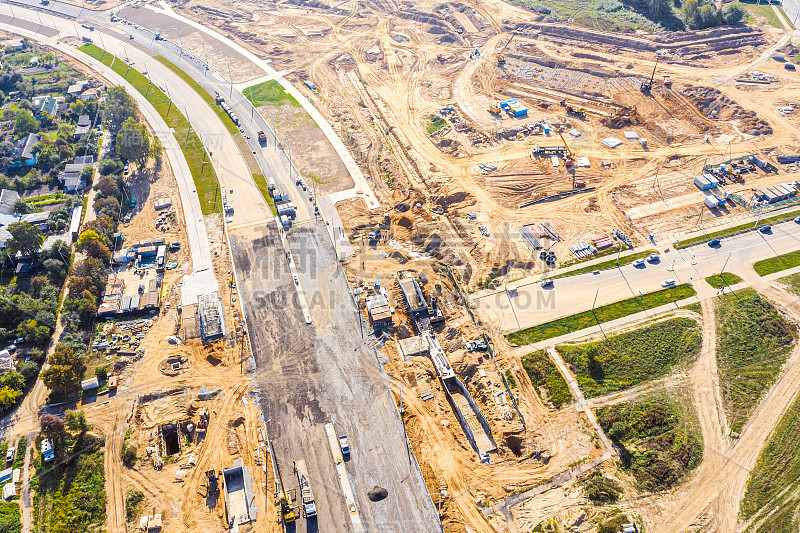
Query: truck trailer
(306, 495)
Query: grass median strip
(735, 230)
(606, 313)
(723, 280)
(777, 263)
(205, 179)
(605, 265)
(223, 116)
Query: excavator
(287, 514)
(501, 58)
(573, 110)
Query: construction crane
(501, 58)
(568, 157)
(647, 85)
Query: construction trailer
(705, 182)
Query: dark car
(765, 229)
(714, 242)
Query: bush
(544, 374)
(10, 519)
(129, 453)
(133, 501)
(601, 489)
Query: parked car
(714, 242)
(668, 283)
(765, 229)
(547, 283)
(638, 263)
(19, 340)
(344, 444)
(10, 453)
(653, 258)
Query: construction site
(501, 146)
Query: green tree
(26, 239)
(25, 123)
(28, 369)
(733, 14)
(76, 421)
(8, 396)
(65, 370)
(133, 142)
(21, 207)
(155, 150)
(13, 380)
(117, 108)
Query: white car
(547, 283)
(653, 258)
(668, 283)
(10, 454)
(638, 263)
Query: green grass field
(631, 358)
(10, 518)
(606, 313)
(791, 283)
(753, 341)
(777, 263)
(723, 280)
(735, 230)
(205, 179)
(777, 468)
(544, 375)
(660, 439)
(762, 13)
(269, 93)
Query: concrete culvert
(377, 494)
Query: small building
(163, 203)
(380, 314)
(23, 155)
(75, 222)
(6, 361)
(72, 181)
(48, 454)
(7, 200)
(90, 95)
(9, 491)
(40, 220)
(77, 88)
(82, 127)
(705, 182)
(112, 382)
(26, 267)
(44, 104)
(14, 44)
(90, 384)
(147, 251)
(6, 474)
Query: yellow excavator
(287, 514)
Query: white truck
(306, 495)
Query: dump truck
(306, 495)
(262, 137)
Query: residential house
(26, 267)
(14, 44)
(23, 155)
(83, 126)
(70, 177)
(44, 104)
(7, 200)
(77, 88)
(90, 95)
